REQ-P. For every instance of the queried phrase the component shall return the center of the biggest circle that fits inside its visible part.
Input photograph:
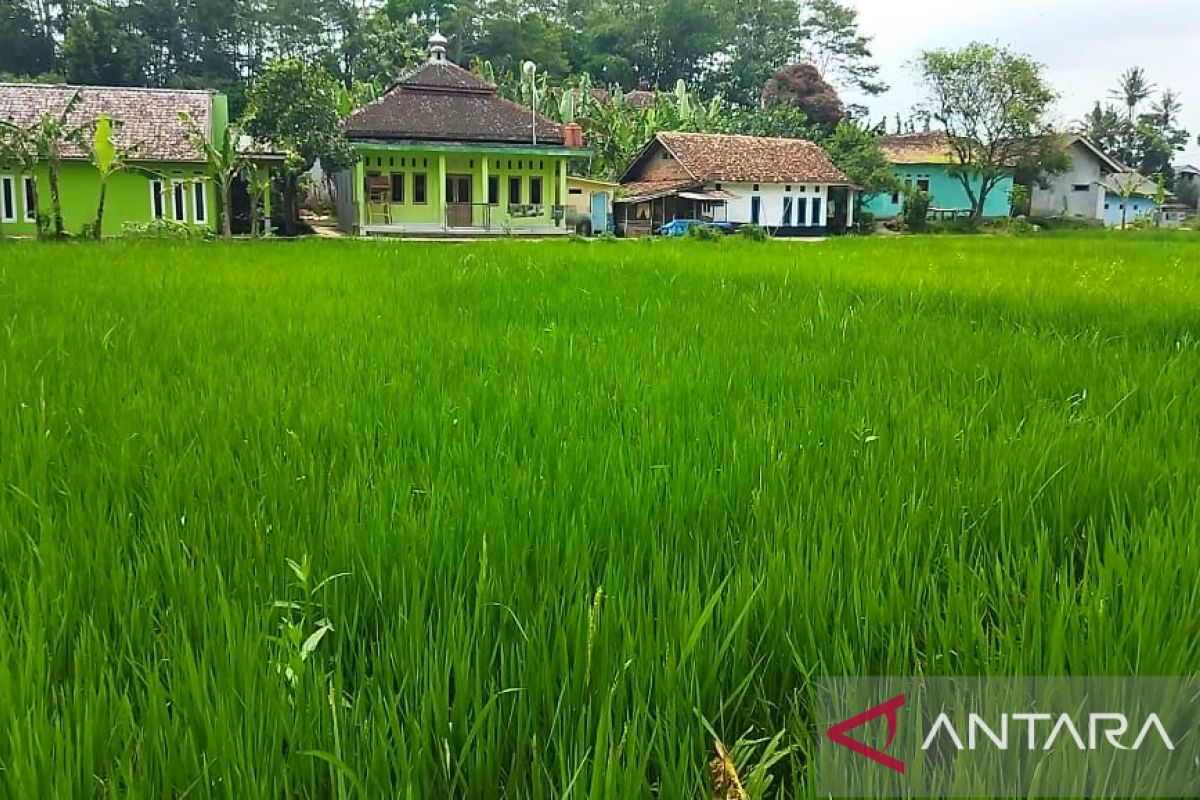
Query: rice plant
(382, 519)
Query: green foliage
(992, 102)
(99, 50)
(753, 233)
(916, 209)
(856, 152)
(163, 229)
(294, 107)
(1019, 198)
(1146, 142)
(705, 233)
(590, 497)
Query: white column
(850, 208)
(824, 220)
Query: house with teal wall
(166, 176)
(441, 153)
(926, 161)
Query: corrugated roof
(713, 157)
(641, 191)
(441, 101)
(148, 117)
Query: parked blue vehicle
(680, 227)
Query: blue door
(755, 210)
(599, 212)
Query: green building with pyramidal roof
(441, 153)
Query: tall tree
(1133, 89)
(100, 48)
(992, 103)
(834, 44)
(294, 107)
(25, 46)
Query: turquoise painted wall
(947, 191)
(129, 197)
(1135, 207)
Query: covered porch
(448, 190)
(642, 213)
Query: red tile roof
(148, 117)
(441, 101)
(751, 159)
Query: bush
(916, 209)
(705, 233)
(1066, 223)
(163, 229)
(753, 233)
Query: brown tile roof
(149, 117)
(640, 98)
(751, 159)
(444, 102)
(931, 147)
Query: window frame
(396, 179)
(421, 181)
(536, 180)
(158, 203)
(178, 211)
(28, 182)
(789, 204)
(815, 209)
(8, 198)
(515, 201)
(199, 201)
(493, 197)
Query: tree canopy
(719, 47)
(992, 103)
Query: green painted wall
(129, 196)
(433, 164)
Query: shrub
(753, 233)
(916, 209)
(705, 233)
(163, 229)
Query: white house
(1081, 190)
(789, 186)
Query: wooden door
(458, 201)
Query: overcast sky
(1085, 45)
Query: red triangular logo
(837, 734)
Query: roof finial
(437, 46)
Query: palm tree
(1167, 108)
(1133, 89)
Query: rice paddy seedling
(587, 507)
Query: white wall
(772, 195)
(1086, 170)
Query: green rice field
(542, 520)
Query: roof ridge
(106, 87)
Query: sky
(1085, 45)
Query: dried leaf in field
(726, 784)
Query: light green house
(442, 154)
(166, 178)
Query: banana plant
(108, 159)
(224, 162)
(45, 139)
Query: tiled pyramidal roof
(441, 101)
